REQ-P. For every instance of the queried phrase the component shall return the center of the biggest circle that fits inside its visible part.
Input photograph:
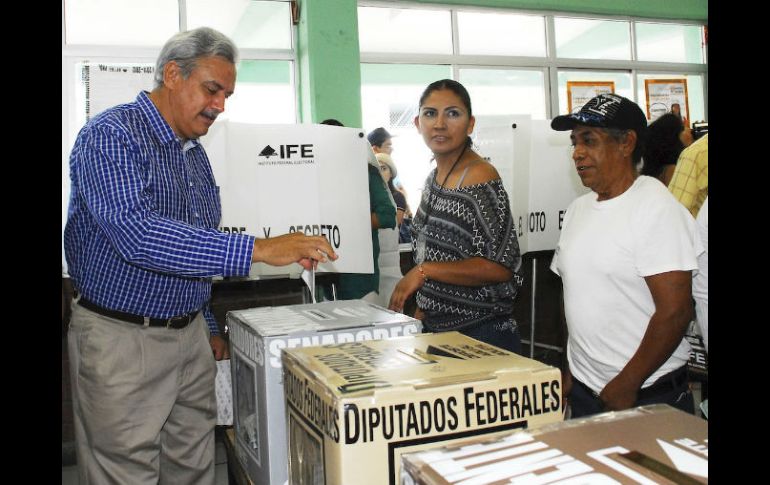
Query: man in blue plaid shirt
(142, 245)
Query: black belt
(667, 383)
(673, 380)
(174, 322)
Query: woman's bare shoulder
(480, 171)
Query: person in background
(625, 256)
(667, 137)
(389, 171)
(690, 182)
(383, 215)
(676, 110)
(380, 140)
(700, 281)
(142, 245)
(464, 242)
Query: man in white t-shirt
(626, 254)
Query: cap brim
(563, 123)
(569, 122)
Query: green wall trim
(661, 9)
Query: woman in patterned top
(464, 243)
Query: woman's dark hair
(663, 144)
(332, 122)
(456, 88)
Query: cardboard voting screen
(535, 164)
(279, 179)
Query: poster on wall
(280, 179)
(666, 96)
(579, 92)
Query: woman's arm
(475, 271)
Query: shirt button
(196, 215)
(191, 184)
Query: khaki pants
(143, 399)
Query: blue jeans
(508, 338)
(584, 402)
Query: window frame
(551, 63)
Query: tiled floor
(69, 474)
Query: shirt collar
(159, 126)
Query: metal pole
(544, 346)
(532, 323)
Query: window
(592, 39)
(505, 91)
(669, 43)
(395, 30)
(251, 24)
(121, 22)
(514, 56)
(389, 97)
(501, 34)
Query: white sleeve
(666, 239)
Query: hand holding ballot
(294, 247)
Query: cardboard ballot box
(354, 408)
(257, 337)
(648, 445)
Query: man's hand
(293, 248)
(619, 394)
(219, 347)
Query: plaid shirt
(690, 182)
(141, 234)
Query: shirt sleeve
(210, 320)
(665, 237)
(496, 235)
(399, 200)
(380, 200)
(112, 185)
(689, 183)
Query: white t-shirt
(700, 281)
(605, 250)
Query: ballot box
(649, 445)
(257, 337)
(353, 408)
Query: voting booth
(280, 179)
(535, 164)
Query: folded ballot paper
(224, 391)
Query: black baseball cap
(378, 136)
(606, 110)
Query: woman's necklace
(421, 238)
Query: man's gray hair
(619, 135)
(185, 47)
